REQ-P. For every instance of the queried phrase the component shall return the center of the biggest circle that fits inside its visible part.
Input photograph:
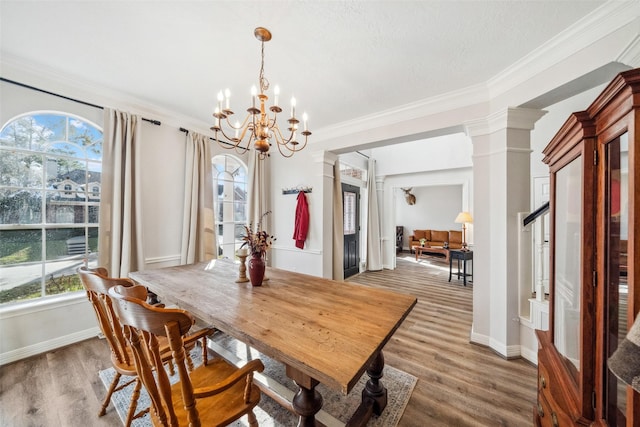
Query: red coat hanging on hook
(302, 221)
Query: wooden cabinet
(594, 294)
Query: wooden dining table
(323, 331)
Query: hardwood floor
(459, 384)
(57, 388)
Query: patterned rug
(339, 408)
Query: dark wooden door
(351, 223)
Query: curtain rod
(362, 154)
(155, 122)
(213, 139)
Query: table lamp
(464, 218)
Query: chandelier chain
(264, 83)
(260, 128)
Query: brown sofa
(436, 238)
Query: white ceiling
(341, 59)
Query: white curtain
(198, 223)
(374, 251)
(338, 225)
(120, 246)
(258, 203)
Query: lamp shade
(464, 218)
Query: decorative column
(501, 180)
(385, 228)
(324, 161)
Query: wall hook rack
(296, 190)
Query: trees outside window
(230, 203)
(48, 218)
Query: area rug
(339, 408)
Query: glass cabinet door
(617, 290)
(567, 265)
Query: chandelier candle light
(260, 127)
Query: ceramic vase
(256, 269)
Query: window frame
(59, 191)
(222, 244)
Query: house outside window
(230, 203)
(349, 171)
(48, 222)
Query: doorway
(351, 224)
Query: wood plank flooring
(57, 388)
(459, 384)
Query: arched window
(48, 226)
(230, 202)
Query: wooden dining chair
(214, 394)
(97, 284)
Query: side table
(461, 256)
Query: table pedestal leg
(374, 389)
(374, 395)
(307, 401)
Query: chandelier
(260, 126)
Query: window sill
(41, 304)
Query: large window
(230, 203)
(50, 167)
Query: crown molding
(603, 21)
(449, 101)
(631, 54)
(593, 27)
(37, 75)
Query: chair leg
(190, 366)
(133, 403)
(205, 352)
(172, 370)
(253, 421)
(107, 399)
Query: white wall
(303, 169)
(432, 154)
(546, 128)
(460, 178)
(436, 208)
(439, 171)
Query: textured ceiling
(341, 60)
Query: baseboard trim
(296, 250)
(477, 338)
(42, 347)
(528, 354)
(508, 352)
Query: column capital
(509, 118)
(324, 156)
